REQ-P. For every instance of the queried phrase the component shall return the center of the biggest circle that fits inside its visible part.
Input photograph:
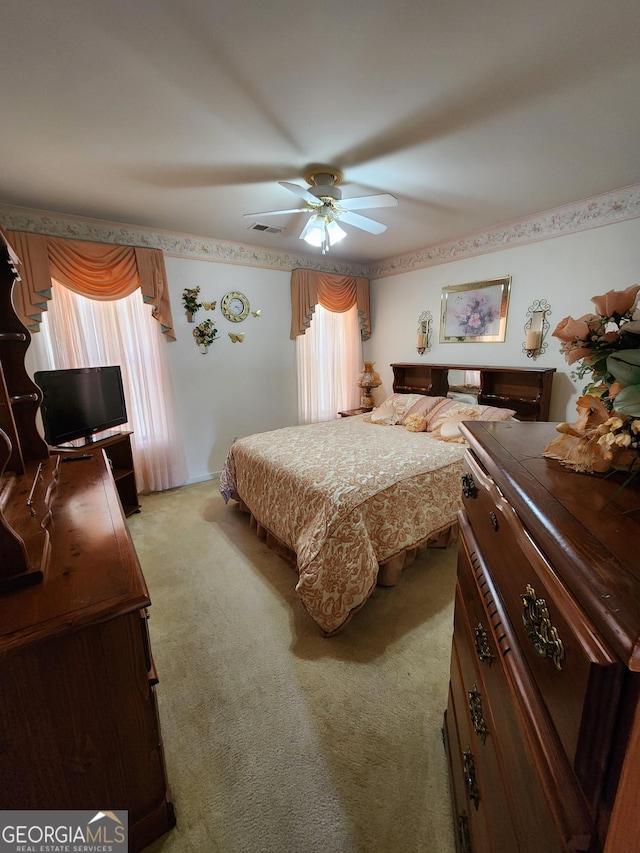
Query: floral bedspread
(345, 495)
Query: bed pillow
(415, 423)
(402, 406)
(445, 408)
(449, 429)
(452, 413)
(384, 415)
(463, 397)
(388, 402)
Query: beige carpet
(278, 740)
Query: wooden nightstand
(349, 413)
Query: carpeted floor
(278, 740)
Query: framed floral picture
(476, 312)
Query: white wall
(566, 271)
(235, 389)
(238, 389)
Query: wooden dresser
(543, 721)
(79, 722)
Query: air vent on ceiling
(270, 229)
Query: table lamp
(367, 380)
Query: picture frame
(476, 312)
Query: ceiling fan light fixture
(313, 231)
(321, 232)
(325, 206)
(335, 232)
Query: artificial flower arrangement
(205, 333)
(606, 348)
(190, 300)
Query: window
(81, 332)
(328, 360)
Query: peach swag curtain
(337, 293)
(96, 270)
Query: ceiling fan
(323, 200)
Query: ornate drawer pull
(464, 837)
(477, 718)
(469, 771)
(469, 488)
(494, 521)
(544, 637)
(482, 645)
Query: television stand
(118, 451)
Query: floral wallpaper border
(594, 212)
(174, 244)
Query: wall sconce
(536, 328)
(423, 337)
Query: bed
(349, 503)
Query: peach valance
(337, 293)
(96, 270)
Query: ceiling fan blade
(302, 192)
(362, 222)
(364, 201)
(279, 212)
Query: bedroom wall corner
(566, 271)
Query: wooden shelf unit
(117, 448)
(426, 379)
(525, 389)
(24, 534)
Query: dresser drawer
(469, 823)
(545, 800)
(578, 677)
(491, 821)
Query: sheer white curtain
(81, 332)
(328, 357)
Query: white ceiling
(185, 115)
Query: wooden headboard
(526, 390)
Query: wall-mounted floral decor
(205, 334)
(190, 301)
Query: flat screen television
(79, 402)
